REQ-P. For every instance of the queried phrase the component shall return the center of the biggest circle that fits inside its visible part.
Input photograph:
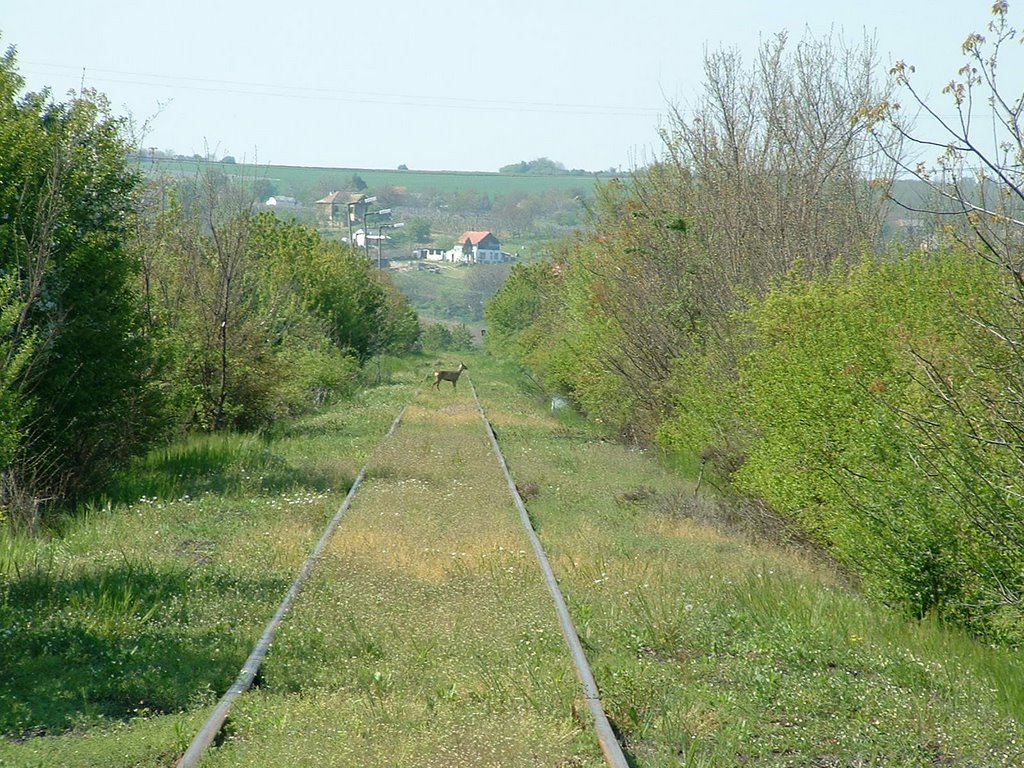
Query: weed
(425, 635)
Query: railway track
(602, 729)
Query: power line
(248, 88)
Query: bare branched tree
(769, 169)
(777, 168)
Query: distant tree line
(542, 166)
(131, 313)
(733, 302)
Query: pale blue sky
(449, 84)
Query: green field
(303, 182)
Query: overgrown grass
(119, 629)
(425, 636)
(713, 651)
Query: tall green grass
(422, 641)
(214, 463)
(120, 626)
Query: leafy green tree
(462, 338)
(418, 230)
(542, 166)
(437, 337)
(13, 359)
(975, 179)
(66, 211)
(836, 387)
(263, 317)
(516, 305)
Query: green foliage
(542, 166)
(66, 213)
(462, 338)
(844, 431)
(14, 356)
(516, 305)
(417, 230)
(437, 336)
(728, 653)
(860, 403)
(441, 338)
(121, 630)
(148, 607)
(727, 316)
(604, 320)
(291, 317)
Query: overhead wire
(251, 88)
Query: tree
(14, 356)
(418, 230)
(768, 171)
(542, 166)
(970, 445)
(66, 213)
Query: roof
(475, 237)
(339, 197)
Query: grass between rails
(426, 637)
(422, 638)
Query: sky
(463, 85)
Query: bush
(437, 336)
(84, 402)
(847, 432)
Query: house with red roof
(478, 248)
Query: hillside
(308, 184)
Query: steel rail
(216, 720)
(605, 734)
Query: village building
(429, 254)
(363, 239)
(337, 207)
(478, 248)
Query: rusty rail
(217, 718)
(605, 735)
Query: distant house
(363, 239)
(281, 201)
(335, 206)
(478, 248)
(430, 254)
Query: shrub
(848, 433)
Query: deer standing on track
(452, 376)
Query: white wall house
(430, 254)
(363, 240)
(477, 248)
